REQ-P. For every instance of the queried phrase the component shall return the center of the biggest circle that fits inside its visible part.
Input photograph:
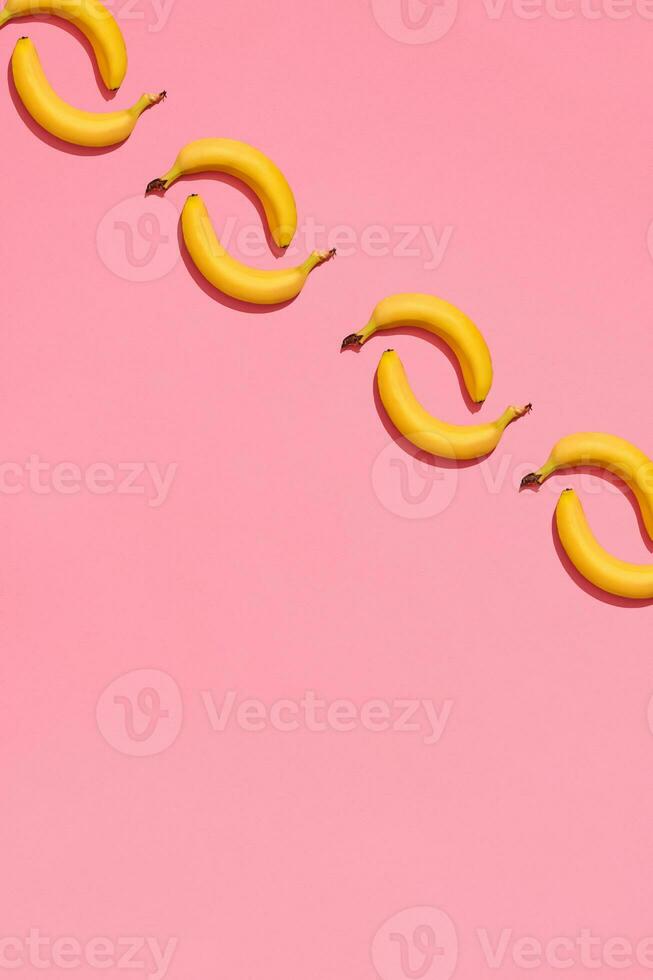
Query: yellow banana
(592, 561)
(445, 321)
(93, 20)
(266, 287)
(61, 119)
(248, 164)
(610, 453)
(427, 432)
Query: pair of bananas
(451, 325)
(59, 118)
(635, 469)
(100, 129)
(459, 442)
(268, 287)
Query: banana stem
(360, 337)
(530, 480)
(162, 183)
(4, 17)
(538, 476)
(158, 184)
(147, 100)
(512, 413)
(315, 259)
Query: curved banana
(610, 453)
(427, 432)
(266, 287)
(61, 119)
(95, 22)
(592, 561)
(246, 163)
(445, 321)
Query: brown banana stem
(350, 339)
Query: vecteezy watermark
(649, 714)
(35, 475)
(154, 13)
(140, 713)
(415, 21)
(423, 242)
(134, 953)
(580, 949)
(570, 9)
(137, 238)
(416, 944)
(422, 943)
(409, 485)
(314, 714)
(649, 237)
(425, 21)
(417, 486)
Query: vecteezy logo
(411, 484)
(415, 21)
(649, 239)
(416, 944)
(140, 713)
(137, 238)
(649, 714)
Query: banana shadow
(587, 586)
(614, 481)
(48, 138)
(411, 450)
(217, 294)
(434, 341)
(240, 186)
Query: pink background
(286, 557)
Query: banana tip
(158, 184)
(530, 480)
(318, 258)
(350, 340)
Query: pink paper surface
(238, 524)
